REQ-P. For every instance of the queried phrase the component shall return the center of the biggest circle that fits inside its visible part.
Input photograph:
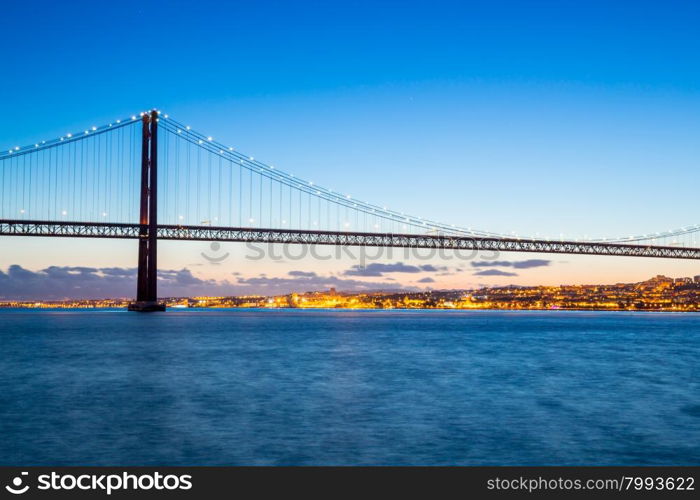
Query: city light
(656, 294)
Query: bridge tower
(147, 284)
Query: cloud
(426, 280)
(447, 271)
(302, 274)
(432, 269)
(183, 277)
(63, 282)
(56, 282)
(118, 271)
(279, 286)
(376, 269)
(494, 272)
(517, 264)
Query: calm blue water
(338, 387)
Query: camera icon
(16, 487)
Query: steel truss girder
(291, 236)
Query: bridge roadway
(294, 236)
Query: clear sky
(535, 117)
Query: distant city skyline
(659, 293)
(543, 119)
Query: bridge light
(87, 132)
(69, 135)
(21, 211)
(36, 145)
(201, 141)
(188, 127)
(165, 116)
(253, 159)
(230, 149)
(179, 131)
(94, 128)
(180, 217)
(251, 220)
(133, 117)
(64, 212)
(284, 222)
(104, 214)
(210, 138)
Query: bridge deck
(291, 236)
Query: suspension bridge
(148, 177)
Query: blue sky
(534, 117)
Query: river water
(334, 387)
